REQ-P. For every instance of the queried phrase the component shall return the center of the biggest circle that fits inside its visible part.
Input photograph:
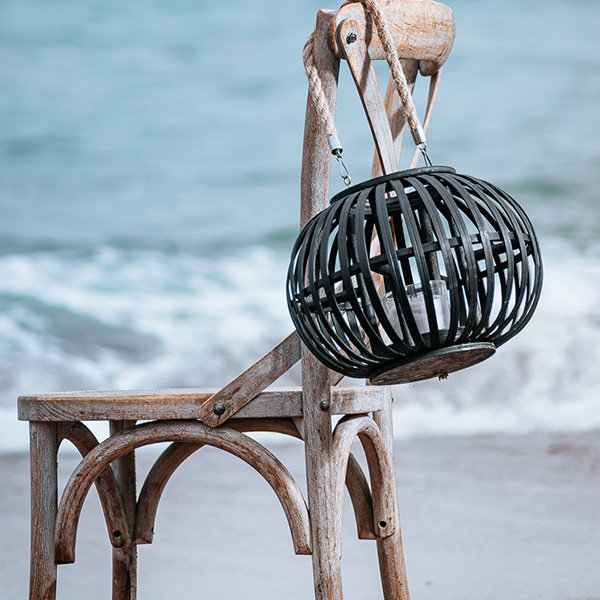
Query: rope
(319, 100)
(391, 55)
(315, 86)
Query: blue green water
(149, 182)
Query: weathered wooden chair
(423, 32)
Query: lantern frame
(412, 228)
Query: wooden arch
(168, 462)
(106, 484)
(381, 472)
(225, 438)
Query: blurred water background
(149, 186)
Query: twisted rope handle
(315, 87)
(391, 54)
(319, 100)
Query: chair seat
(184, 403)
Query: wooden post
(319, 472)
(125, 558)
(315, 376)
(316, 156)
(389, 549)
(44, 492)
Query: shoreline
(485, 516)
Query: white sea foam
(141, 319)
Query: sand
(484, 517)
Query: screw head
(218, 408)
(324, 405)
(351, 38)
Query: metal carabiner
(423, 148)
(344, 172)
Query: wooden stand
(191, 418)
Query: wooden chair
(192, 418)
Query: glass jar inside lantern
(418, 308)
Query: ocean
(149, 196)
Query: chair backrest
(423, 33)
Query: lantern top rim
(363, 185)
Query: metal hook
(423, 148)
(344, 172)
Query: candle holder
(414, 274)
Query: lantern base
(435, 363)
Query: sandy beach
(484, 517)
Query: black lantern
(412, 275)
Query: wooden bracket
(355, 51)
(244, 388)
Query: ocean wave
(117, 318)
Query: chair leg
(389, 549)
(43, 439)
(319, 473)
(325, 557)
(391, 567)
(125, 558)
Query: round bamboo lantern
(413, 275)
